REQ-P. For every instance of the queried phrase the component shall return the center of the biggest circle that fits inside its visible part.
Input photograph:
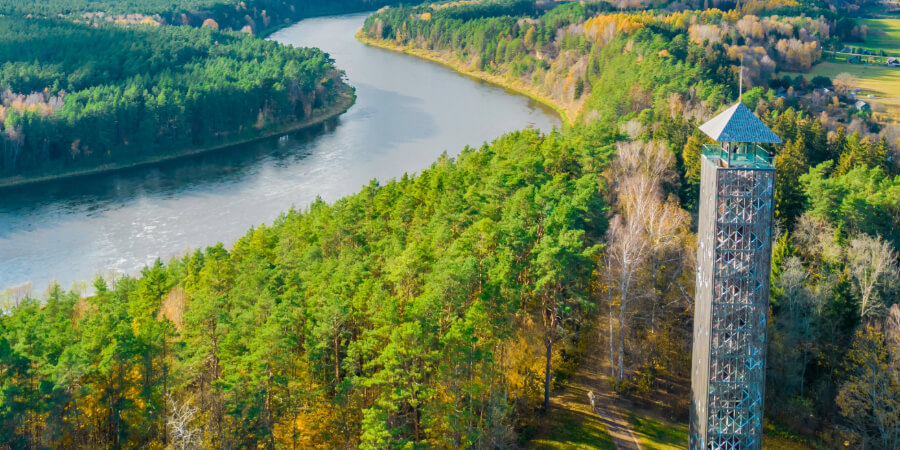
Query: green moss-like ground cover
(574, 430)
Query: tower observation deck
(734, 259)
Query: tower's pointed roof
(739, 124)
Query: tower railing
(740, 155)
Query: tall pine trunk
(623, 303)
(549, 344)
(620, 375)
(612, 344)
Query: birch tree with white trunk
(872, 263)
(646, 224)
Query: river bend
(407, 113)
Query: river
(408, 112)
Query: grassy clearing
(884, 34)
(573, 430)
(881, 81)
(656, 433)
(782, 443)
(880, 9)
(778, 436)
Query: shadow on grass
(573, 430)
(658, 434)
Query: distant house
(853, 59)
(893, 62)
(824, 93)
(847, 50)
(861, 105)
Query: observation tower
(734, 260)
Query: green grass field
(780, 443)
(574, 430)
(659, 434)
(884, 34)
(881, 81)
(656, 433)
(778, 436)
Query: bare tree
(870, 398)
(645, 226)
(892, 338)
(872, 263)
(653, 159)
(795, 321)
(627, 251)
(845, 82)
(633, 128)
(11, 297)
(179, 425)
(815, 238)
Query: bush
(820, 82)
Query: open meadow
(881, 81)
(883, 34)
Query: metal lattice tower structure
(734, 259)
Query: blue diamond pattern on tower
(734, 263)
(739, 124)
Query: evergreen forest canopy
(255, 16)
(389, 317)
(442, 309)
(76, 96)
(655, 77)
(54, 7)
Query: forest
(654, 77)
(442, 309)
(391, 316)
(54, 7)
(253, 16)
(152, 92)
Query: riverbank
(567, 115)
(345, 101)
(399, 124)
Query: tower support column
(734, 261)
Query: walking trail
(593, 376)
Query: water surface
(408, 112)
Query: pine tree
(790, 164)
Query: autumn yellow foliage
(758, 6)
(209, 23)
(685, 19)
(439, 6)
(605, 27)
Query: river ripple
(407, 113)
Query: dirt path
(592, 376)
